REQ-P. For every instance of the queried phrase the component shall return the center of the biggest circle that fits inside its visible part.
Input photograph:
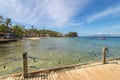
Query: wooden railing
(25, 70)
(25, 73)
(104, 50)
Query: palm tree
(18, 30)
(1, 20)
(32, 31)
(7, 23)
(32, 27)
(3, 28)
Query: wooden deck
(94, 71)
(7, 40)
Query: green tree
(18, 30)
(32, 32)
(3, 28)
(72, 34)
(50, 33)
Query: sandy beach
(33, 38)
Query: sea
(50, 52)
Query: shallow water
(54, 52)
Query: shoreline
(14, 40)
(33, 38)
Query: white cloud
(74, 24)
(100, 33)
(43, 12)
(109, 30)
(106, 12)
(108, 33)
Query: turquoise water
(54, 52)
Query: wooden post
(25, 74)
(104, 54)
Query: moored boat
(90, 37)
(102, 38)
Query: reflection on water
(53, 52)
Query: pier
(98, 70)
(91, 71)
(7, 40)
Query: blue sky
(87, 17)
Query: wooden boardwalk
(94, 71)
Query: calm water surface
(54, 52)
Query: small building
(8, 35)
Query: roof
(2, 34)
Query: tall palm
(32, 31)
(1, 19)
(8, 23)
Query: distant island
(10, 31)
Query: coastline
(14, 40)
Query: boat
(102, 38)
(90, 37)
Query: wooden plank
(38, 76)
(70, 76)
(21, 77)
(9, 78)
(50, 76)
(64, 75)
(77, 74)
(56, 76)
(94, 74)
(53, 75)
(78, 71)
(70, 72)
(85, 74)
(61, 75)
(13, 78)
(112, 70)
